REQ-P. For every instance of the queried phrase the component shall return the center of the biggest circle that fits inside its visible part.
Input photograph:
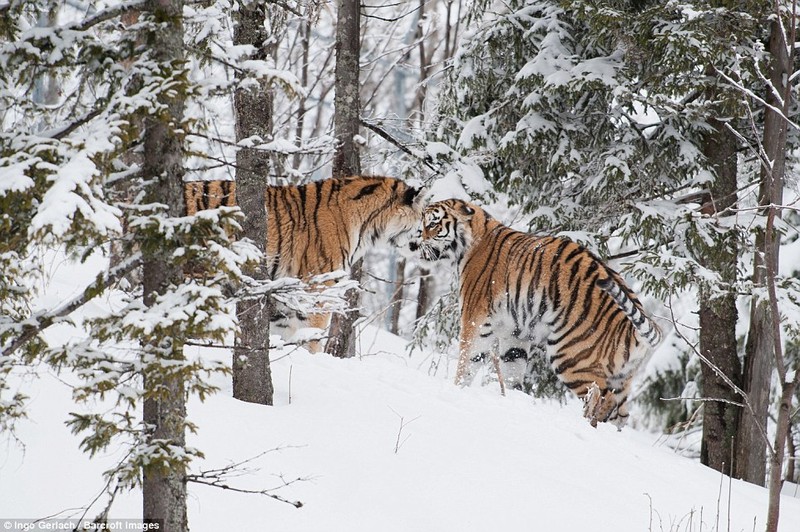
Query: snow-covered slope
(379, 445)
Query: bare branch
(721, 375)
(60, 133)
(108, 14)
(386, 136)
(218, 478)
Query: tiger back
(321, 227)
(529, 296)
(327, 225)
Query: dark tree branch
(218, 478)
(60, 133)
(107, 14)
(402, 147)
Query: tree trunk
(760, 347)
(772, 181)
(164, 489)
(252, 377)
(718, 314)
(347, 101)
(396, 303)
(782, 435)
(347, 160)
(424, 292)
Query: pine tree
(164, 485)
(58, 191)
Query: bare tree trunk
(302, 110)
(252, 376)
(782, 434)
(791, 450)
(781, 71)
(397, 295)
(718, 313)
(424, 292)
(347, 100)
(164, 490)
(425, 282)
(760, 347)
(347, 160)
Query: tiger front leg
(475, 348)
(307, 330)
(320, 322)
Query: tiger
(542, 294)
(322, 226)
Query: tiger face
(387, 211)
(447, 231)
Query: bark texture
(252, 376)
(347, 160)
(718, 312)
(347, 101)
(760, 347)
(164, 489)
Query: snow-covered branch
(42, 321)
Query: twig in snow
(403, 424)
(219, 478)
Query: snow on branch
(42, 321)
(321, 293)
(107, 14)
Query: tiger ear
(414, 197)
(467, 210)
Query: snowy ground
(380, 445)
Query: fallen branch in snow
(219, 478)
(399, 443)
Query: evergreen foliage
(592, 117)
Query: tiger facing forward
(322, 226)
(541, 294)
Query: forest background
(662, 135)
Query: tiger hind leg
(591, 402)
(605, 406)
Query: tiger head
(391, 210)
(448, 229)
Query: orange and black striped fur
(541, 294)
(324, 226)
(328, 225)
(202, 195)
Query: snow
(464, 459)
(381, 442)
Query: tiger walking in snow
(528, 293)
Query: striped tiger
(323, 226)
(541, 294)
(202, 195)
